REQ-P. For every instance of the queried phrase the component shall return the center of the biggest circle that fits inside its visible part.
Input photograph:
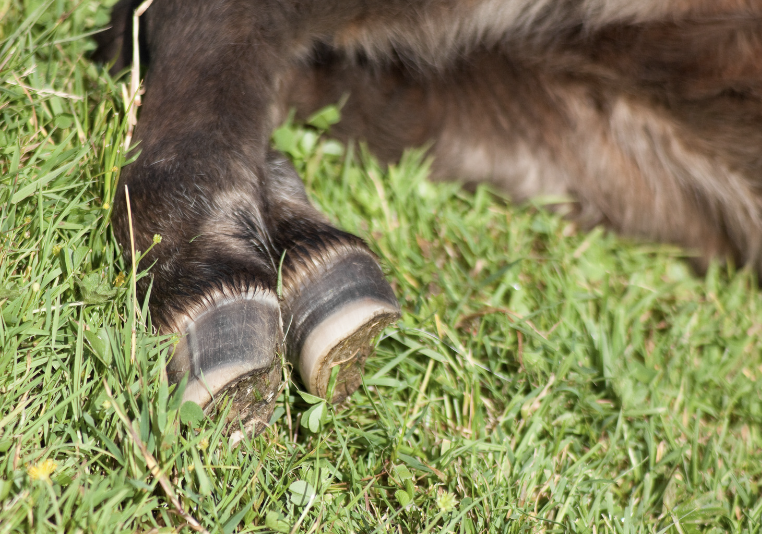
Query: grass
(541, 379)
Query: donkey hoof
(231, 350)
(333, 318)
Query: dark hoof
(332, 318)
(231, 350)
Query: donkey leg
(661, 144)
(335, 297)
(198, 182)
(213, 280)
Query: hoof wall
(230, 350)
(334, 318)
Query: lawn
(542, 378)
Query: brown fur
(655, 129)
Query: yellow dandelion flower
(119, 280)
(42, 471)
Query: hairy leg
(654, 129)
(199, 183)
(226, 213)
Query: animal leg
(198, 182)
(656, 145)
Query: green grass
(541, 379)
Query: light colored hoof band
(202, 389)
(230, 351)
(332, 317)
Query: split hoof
(231, 350)
(332, 319)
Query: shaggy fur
(648, 113)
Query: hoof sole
(345, 338)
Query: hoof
(231, 350)
(332, 319)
